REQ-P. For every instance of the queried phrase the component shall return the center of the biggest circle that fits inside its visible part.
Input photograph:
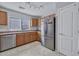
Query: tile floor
(31, 49)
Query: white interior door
(78, 32)
(67, 30)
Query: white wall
(11, 13)
(62, 4)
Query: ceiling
(35, 5)
(34, 8)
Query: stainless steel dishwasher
(7, 41)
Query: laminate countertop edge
(15, 32)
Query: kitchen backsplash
(3, 28)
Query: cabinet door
(33, 36)
(27, 37)
(39, 22)
(19, 39)
(3, 18)
(38, 36)
(34, 22)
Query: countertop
(15, 32)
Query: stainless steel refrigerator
(48, 32)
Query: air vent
(21, 7)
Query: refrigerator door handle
(46, 28)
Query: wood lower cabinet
(23, 38)
(38, 36)
(33, 36)
(19, 39)
(27, 37)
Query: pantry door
(67, 30)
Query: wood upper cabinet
(19, 39)
(3, 18)
(34, 22)
(39, 21)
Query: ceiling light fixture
(32, 5)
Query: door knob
(78, 31)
